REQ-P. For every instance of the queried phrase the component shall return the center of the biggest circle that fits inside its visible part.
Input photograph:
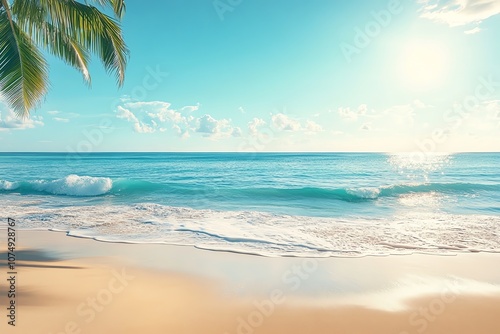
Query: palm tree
(68, 29)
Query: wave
(75, 185)
(351, 194)
(71, 185)
(6, 185)
(345, 194)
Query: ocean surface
(272, 204)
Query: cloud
(190, 109)
(63, 117)
(490, 110)
(138, 126)
(456, 13)
(352, 115)
(473, 31)
(402, 114)
(253, 126)
(419, 104)
(241, 110)
(183, 133)
(284, 122)
(208, 124)
(313, 127)
(10, 121)
(143, 128)
(126, 114)
(477, 128)
(148, 104)
(153, 116)
(366, 127)
(237, 132)
(211, 127)
(398, 118)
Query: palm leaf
(117, 5)
(93, 30)
(23, 69)
(68, 29)
(31, 17)
(65, 47)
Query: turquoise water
(347, 204)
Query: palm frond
(23, 69)
(65, 47)
(69, 29)
(32, 18)
(118, 6)
(92, 29)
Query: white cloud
(283, 122)
(402, 114)
(139, 126)
(143, 128)
(419, 104)
(211, 127)
(153, 116)
(362, 109)
(126, 114)
(491, 110)
(473, 31)
(459, 12)
(150, 116)
(63, 117)
(165, 115)
(253, 126)
(208, 124)
(237, 132)
(352, 115)
(10, 121)
(241, 110)
(190, 109)
(148, 104)
(366, 127)
(313, 127)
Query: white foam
(264, 233)
(368, 193)
(6, 185)
(75, 185)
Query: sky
(282, 75)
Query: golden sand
(113, 294)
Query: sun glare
(423, 64)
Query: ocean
(270, 204)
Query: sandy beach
(72, 285)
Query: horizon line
(236, 152)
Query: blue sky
(282, 75)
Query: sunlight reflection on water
(406, 164)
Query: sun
(423, 64)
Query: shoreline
(413, 250)
(238, 293)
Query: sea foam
(75, 185)
(267, 234)
(6, 185)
